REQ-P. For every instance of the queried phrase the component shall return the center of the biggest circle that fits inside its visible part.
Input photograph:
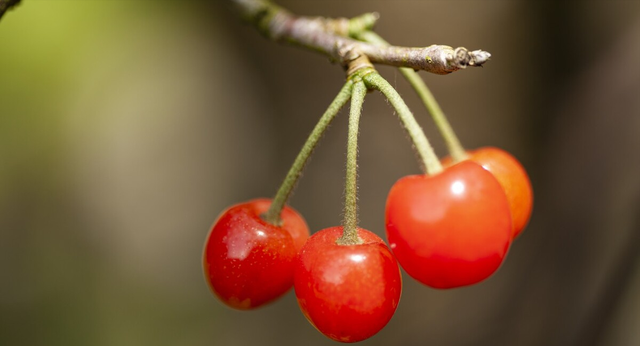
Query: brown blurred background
(127, 126)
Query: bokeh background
(127, 126)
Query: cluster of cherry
(446, 230)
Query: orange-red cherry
(348, 292)
(248, 262)
(451, 229)
(513, 178)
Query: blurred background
(127, 126)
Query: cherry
(248, 262)
(348, 292)
(514, 180)
(451, 229)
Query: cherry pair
(454, 228)
(346, 279)
(348, 292)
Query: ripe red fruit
(248, 262)
(451, 229)
(348, 292)
(514, 180)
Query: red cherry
(514, 180)
(451, 229)
(348, 292)
(248, 262)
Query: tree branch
(327, 36)
(7, 4)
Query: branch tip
(479, 57)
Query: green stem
(350, 226)
(430, 163)
(456, 150)
(272, 216)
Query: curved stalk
(272, 216)
(430, 163)
(350, 224)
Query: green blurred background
(127, 126)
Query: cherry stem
(350, 224)
(430, 163)
(272, 216)
(456, 150)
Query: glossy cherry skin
(248, 262)
(451, 229)
(513, 178)
(347, 292)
